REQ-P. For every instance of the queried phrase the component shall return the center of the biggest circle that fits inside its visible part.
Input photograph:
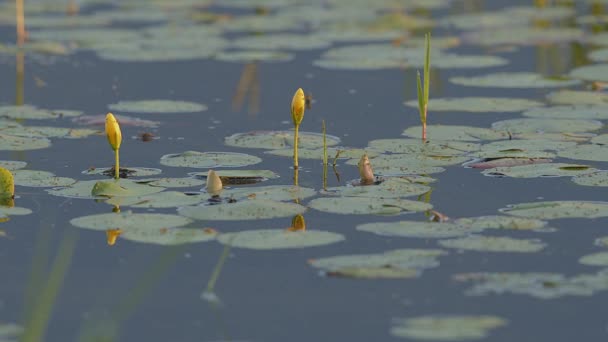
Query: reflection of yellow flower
(113, 132)
(112, 235)
(298, 104)
(7, 184)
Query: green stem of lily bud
(117, 166)
(295, 146)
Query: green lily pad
(507, 146)
(596, 259)
(196, 159)
(494, 244)
(416, 229)
(12, 165)
(547, 125)
(478, 104)
(446, 328)
(317, 153)
(539, 285)
(165, 199)
(35, 178)
(395, 264)
(128, 220)
(558, 209)
(600, 55)
(33, 113)
(513, 80)
(411, 161)
(507, 17)
(456, 133)
(602, 241)
(185, 182)
(577, 137)
(523, 35)
(273, 140)
(601, 139)
(239, 176)
(256, 209)
(578, 97)
(594, 72)
(587, 112)
(168, 236)
(9, 211)
(599, 178)
(286, 41)
(112, 188)
(15, 143)
(417, 146)
(157, 106)
(270, 192)
(49, 132)
(266, 239)
(540, 170)
(585, 152)
(367, 205)
(393, 187)
(130, 171)
(501, 222)
(245, 56)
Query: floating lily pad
(506, 146)
(255, 209)
(130, 171)
(49, 132)
(128, 220)
(599, 178)
(270, 192)
(286, 41)
(494, 244)
(514, 80)
(34, 113)
(507, 17)
(166, 199)
(596, 259)
(594, 72)
(411, 161)
(558, 209)
(601, 139)
(157, 106)
(504, 162)
(35, 178)
(235, 177)
(417, 146)
(273, 140)
(539, 285)
(99, 120)
(416, 229)
(168, 236)
(393, 187)
(478, 104)
(12, 164)
(9, 211)
(317, 153)
(366, 205)
(121, 188)
(265, 239)
(456, 133)
(196, 159)
(547, 125)
(578, 97)
(540, 170)
(16, 143)
(501, 222)
(585, 152)
(446, 328)
(523, 35)
(185, 182)
(588, 112)
(245, 56)
(577, 137)
(395, 264)
(602, 241)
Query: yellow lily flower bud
(7, 184)
(214, 184)
(297, 224)
(365, 170)
(298, 104)
(113, 131)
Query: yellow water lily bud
(112, 235)
(214, 184)
(298, 104)
(7, 184)
(297, 224)
(365, 170)
(113, 131)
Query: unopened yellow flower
(298, 104)
(7, 184)
(298, 224)
(214, 184)
(113, 131)
(365, 170)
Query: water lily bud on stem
(7, 184)
(298, 105)
(114, 138)
(214, 184)
(365, 170)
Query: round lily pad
(494, 244)
(157, 106)
(585, 152)
(239, 176)
(245, 56)
(265, 239)
(601, 139)
(255, 209)
(599, 178)
(128, 220)
(546, 125)
(523, 35)
(168, 236)
(540, 170)
(270, 192)
(367, 205)
(9, 211)
(417, 146)
(16, 143)
(596, 259)
(185, 182)
(273, 140)
(514, 80)
(33, 113)
(317, 153)
(165, 199)
(587, 112)
(35, 178)
(507, 146)
(456, 133)
(196, 159)
(594, 72)
(105, 188)
(558, 209)
(286, 41)
(578, 97)
(478, 104)
(130, 171)
(12, 164)
(501, 222)
(49, 132)
(446, 328)
(416, 229)
(393, 187)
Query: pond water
(517, 84)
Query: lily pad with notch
(196, 159)
(367, 205)
(253, 209)
(168, 236)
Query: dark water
(276, 295)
